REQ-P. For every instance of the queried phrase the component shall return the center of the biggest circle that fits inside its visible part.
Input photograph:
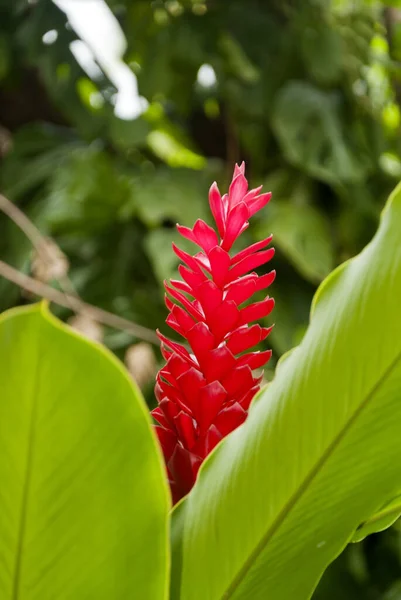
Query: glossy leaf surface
(83, 497)
(319, 454)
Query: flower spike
(203, 394)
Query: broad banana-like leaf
(380, 521)
(83, 498)
(320, 452)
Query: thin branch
(97, 314)
(68, 297)
(38, 241)
(22, 221)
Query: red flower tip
(204, 393)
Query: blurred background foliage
(307, 92)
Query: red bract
(204, 393)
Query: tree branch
(68, 301)
(68, 297)
(38, 241)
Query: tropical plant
(84, 505)
(205, 394)
(307, 91)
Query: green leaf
(303, 234)
(310, 132)
(87, 192)
(89, 94)
(237, 59)
(166, 194)
(172, 151)
(83, 502)
(19, 179)
(280, 498)
(127, 135)
(381, 520)
(322, 51)
(165, 264)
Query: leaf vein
(306, 483)
(26, 484)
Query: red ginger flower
(205, 394)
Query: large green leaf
(303, 234)
(176, 195)
(319, 454)
(381, 520)
(83, 499)
(307, 123)
(87, 192)
(322, 50)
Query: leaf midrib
(27, 482)
(305, 484)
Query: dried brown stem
(22, 221)
(68, 297)
(68, 301)
(38, 241)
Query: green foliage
(303, 234)
(308, 126)
(84, 501)
(318, 452)
(277, 101)
(307, 92)
(84, 485)
(380, 521)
